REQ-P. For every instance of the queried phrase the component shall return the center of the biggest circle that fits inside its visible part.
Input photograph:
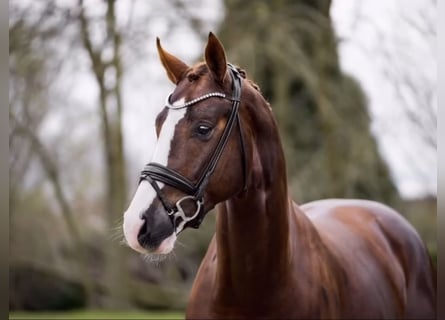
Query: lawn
(101, 315)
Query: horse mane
(243, 74)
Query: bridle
(154, 172)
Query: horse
(218, 146)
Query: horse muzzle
(151, 232)
(156, 227)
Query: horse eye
(203, 130)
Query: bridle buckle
(178, 211)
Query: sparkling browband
(194, 101)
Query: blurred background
(352, 84)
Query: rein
(154, 172)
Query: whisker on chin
(157, 259)
(153, 259)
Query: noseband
(155, 172)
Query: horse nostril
(144, 234)
(156, 228)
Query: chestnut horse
(218, 145)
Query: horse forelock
(194, 83)
(196, 72)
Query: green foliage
(38, 289)
(422, 213)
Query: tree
(290, 49)
(107, 68)
(53, 47)
(29, 106)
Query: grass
(100, 315)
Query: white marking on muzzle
(145, 194)
(142, 199)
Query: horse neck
(254, 247)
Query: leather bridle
(154, 172)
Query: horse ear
(215, 58)
(175, 68)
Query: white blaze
(145, 194)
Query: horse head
(202, 153)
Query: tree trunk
(52, 172)
(290, 48)
(110, 109)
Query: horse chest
(213, 299)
